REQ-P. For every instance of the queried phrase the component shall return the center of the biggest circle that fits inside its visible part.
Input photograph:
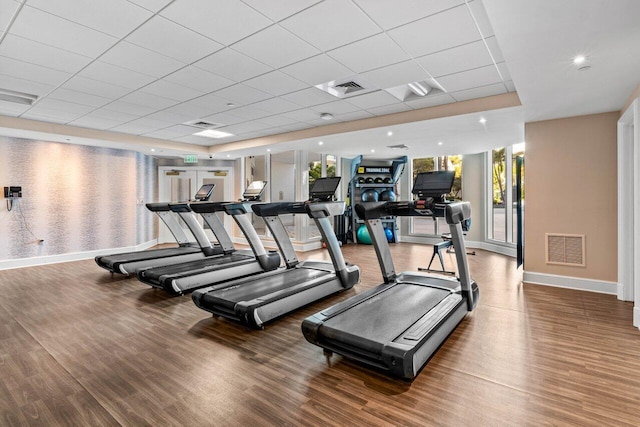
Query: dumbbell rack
(372, 168)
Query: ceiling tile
(198, 79)
(207, 104)
(372, 99)
(149, 100)
(199, 140)
(480, 92)
(492, 42)
(469, 79)
(78, 97)
(430, 101)
(60, 33)
(373, 52)
(317, 70)
(55, 104)
(136, 58)
(115, 17)
(40, 54)
(389, 109)
(103, 113)
(22, 85)
(232, 65)
(115, 75)
(480, 15)
(276, 47)
(302, 115)
(276, 106)
(308, 97)
(510, 86)
(278, 120)
(246, 127)
(227, 118)
(388, 14)
(335, 108)
(95, 87)
(241, 94)
(331, 24)
(294, 127)
(50, 116)
(95, 123)
(12, 109)
(171, 90)
(444, 30)
(275, 83)
(278, 10)
(140, 126)
(320, 122)
(172, 132)
(8, 9)
(395, 75)
(249, 113)
(173, 40)
(356, 115)
(180, 113)
(217, 19)
(36, 73)
(504, 71)
(152, 5)
(457, 59)
(126, 107)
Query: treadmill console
(254, 191)
(205, 192)
(323, 189)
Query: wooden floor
(78, 347)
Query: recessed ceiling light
(268, 149)
(373, 151)
(228, 155)
(439, 142)
(153, 149)
(579, 59)
(482, 120)
(389, 133)
(320, 142)
(211, 133)
(326, 116)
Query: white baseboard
(577, 283)
(74, 256)
(492, 247)
(636, 317)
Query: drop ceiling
(147, 67)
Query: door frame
(629, 207)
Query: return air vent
(349, 87)
(203, 124)
(565, 249)
(398, 147)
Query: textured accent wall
(77, 198)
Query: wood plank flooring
(79, 347)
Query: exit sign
(191, 158)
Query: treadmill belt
(379, 320)
(196, 267)
(260, 287)
(148, 254)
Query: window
(427, 226)
(502, 215)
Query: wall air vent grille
(565, 249)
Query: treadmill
(258, 299)
(398, 325)
(231, 263)
(128, 262)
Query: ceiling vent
(345, 88)
(17, 97)
(203, 124)
(398, 147)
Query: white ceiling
(145, 67)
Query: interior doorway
(181, 184)
(629, 208)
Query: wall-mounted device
(12, 192)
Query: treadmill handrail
(206, 207)
(158, 207)
(372, 210)
(456, 213)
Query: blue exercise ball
(369, 195)
(389, 234)
(363, 235)
(388, 196)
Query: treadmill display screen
(204, 193)
(324, 188)
(433, 184)
(254, 190)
